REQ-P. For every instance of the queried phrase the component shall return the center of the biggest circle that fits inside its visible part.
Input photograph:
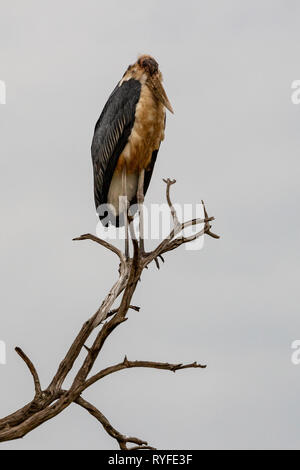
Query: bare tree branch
(169, 183)
(109, 246)
(122, 440)
(170, 242)
(32, 369)
(115, 310)
(207, 219)
(148, 364)
(48, 403)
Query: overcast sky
(233, 141)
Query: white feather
(115, 190)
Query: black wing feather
(149, 171)
(111, 134)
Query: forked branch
(120, 438)
(48, 403)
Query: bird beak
(160, 94)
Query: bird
(126, 141)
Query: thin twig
(53, 400)
(32, 369)
(109, 246)
(169, 183)
(208, 226)
(122, 440)
(147, 364)
(115, 310)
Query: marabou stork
(126, 141)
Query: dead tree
(49, 402)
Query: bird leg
(140, 200)
(130, 219)
(125, 209)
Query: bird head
(149, 67)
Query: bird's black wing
(149, 171)
(111, 134)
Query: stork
(126, 142)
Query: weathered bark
(48, 403)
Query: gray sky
(233, 141)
